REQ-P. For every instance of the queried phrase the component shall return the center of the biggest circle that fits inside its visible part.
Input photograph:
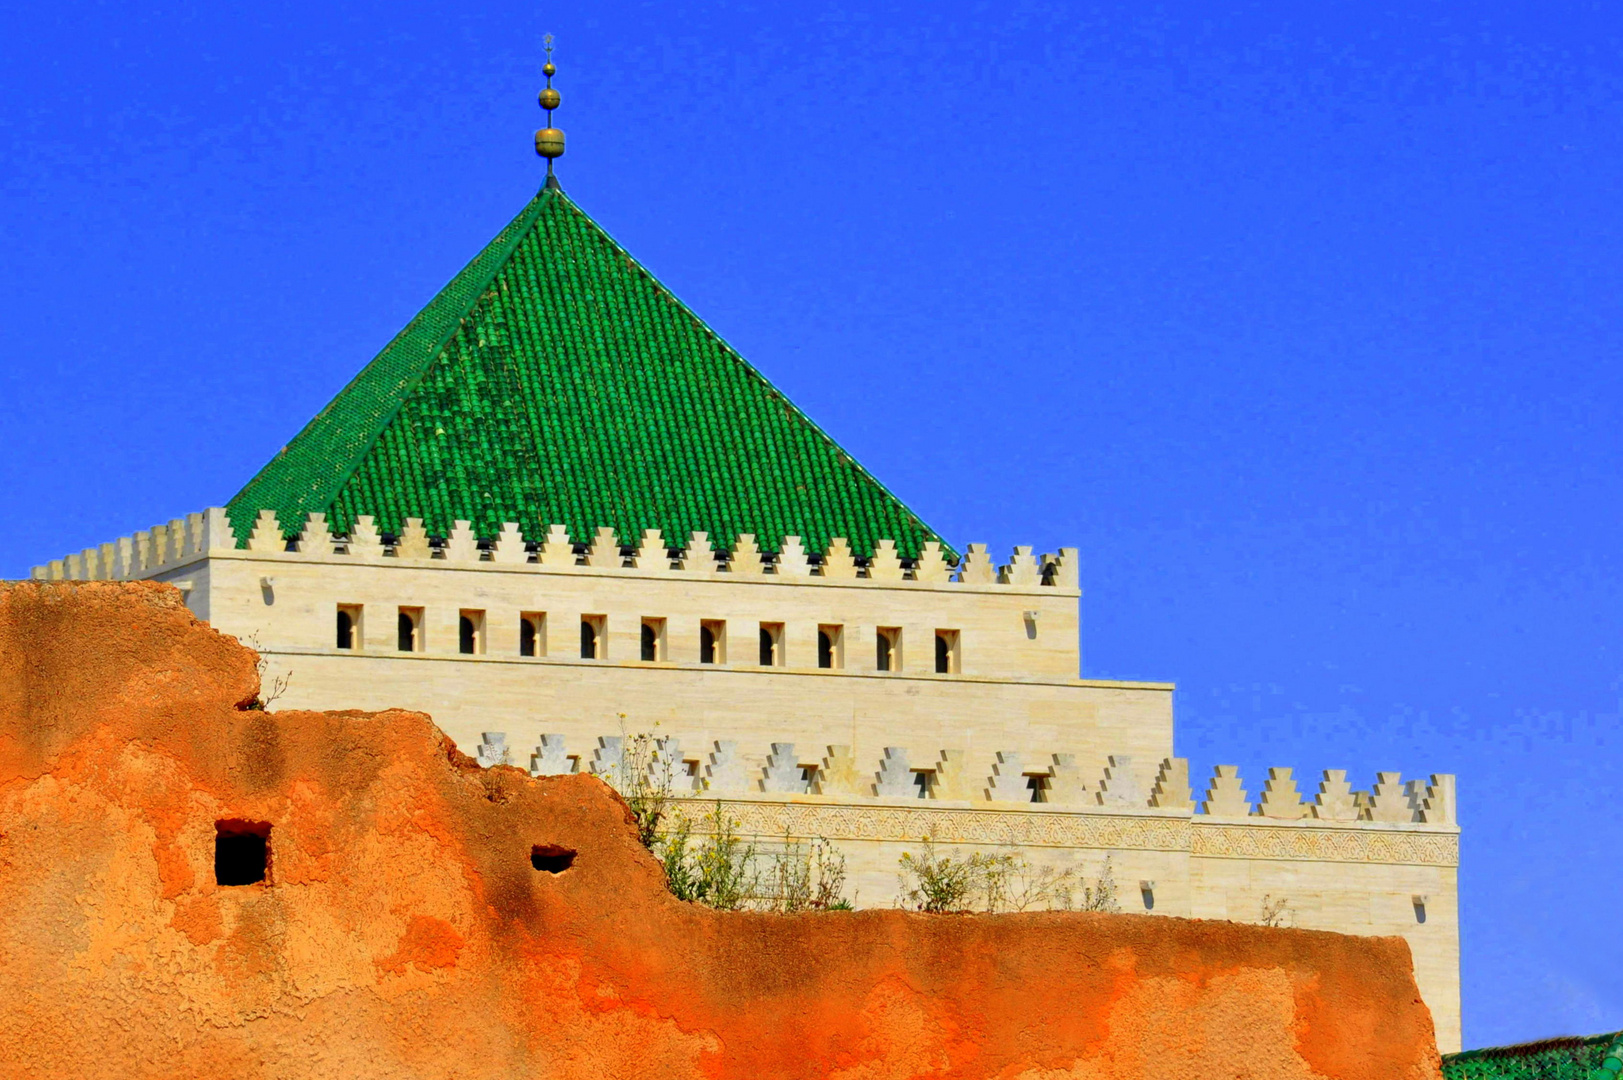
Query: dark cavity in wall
(241, 852)
(551, 859)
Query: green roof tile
(1573, 1058)
(555, 380)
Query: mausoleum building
(558, 510)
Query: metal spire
(549, 141)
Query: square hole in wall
(241, 852)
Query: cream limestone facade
(815, 695)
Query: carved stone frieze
(1326, 845)
(949, 825)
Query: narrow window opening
(1146, 891)
(532, 634)
(241, 852)
(591, 637)
(888, 649)
(653, 640)
(1419, 908)
(471, 633)
(411, 630)
(1038, 786)
(923, 779)
(551, 859)
(771, 645)
(346, 627)
(712, 641)
(830, 647)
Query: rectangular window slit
(771, 645)
(593, 631)
(410, 629)
(470, 633)
(349, 626)
(532, 634)
(712, 641)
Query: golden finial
(549, 141)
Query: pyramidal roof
(556, 381)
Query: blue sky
(1300, 320)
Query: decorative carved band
(757, 818)
(959, 826)
(1326, 845)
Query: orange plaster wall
(405, 933)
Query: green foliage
(802, 877)
(644, 781)
(716, 867)
(938, 883)
(719, 871)
(1005, 881)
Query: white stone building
(558, 509)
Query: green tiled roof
(1598, 1057)
(555, 380)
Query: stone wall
(422, 916)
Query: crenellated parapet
(1007, 779)
(151, 551)
(210, 532)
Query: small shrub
(938, 883)
(718, 868)
(645, 782)
(278, 686)
(1101, 895)
(1276, 912)
(803, 878)
(719, 872)
(1006, 881)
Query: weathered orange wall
(405, 933)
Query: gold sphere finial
(549, 141)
